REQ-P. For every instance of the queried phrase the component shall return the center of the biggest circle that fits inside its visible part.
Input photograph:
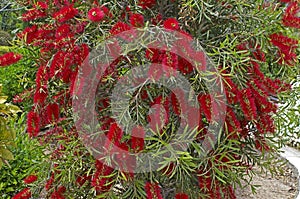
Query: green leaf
(6, 154)
(3, 99)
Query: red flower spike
(28, 34)
(136, 20)
(33, 14)
(41, 5)
(232, 122)
(152, 191)
(65, 13)
(287, 47)
(40, 95)
(63, 31)
(33, 124)
(290, 18)
(96, 14)
(231, 193)
(205, 105)
(52, 112)
(247, 104)
(147, 3)
(119, 27)
(171, 24)
(100, 179)
(137, 139)
(168, 170)
(49, 182)
(24, 194)
(9, 59)
(181, 196)
(81, 180)
(114, 136)
(157, 19)
(184, 66)
(30, 179)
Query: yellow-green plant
(7, 134)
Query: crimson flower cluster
(9, 59)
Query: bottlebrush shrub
(253, 57)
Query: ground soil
(283, 185)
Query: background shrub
(28, 156)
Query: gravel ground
(279, 186)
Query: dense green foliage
(28, 156)
(7, 134)
(19, 77)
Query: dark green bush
(5, 38)
(27, 156)
(20, 76)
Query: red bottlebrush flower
(24, 194)
(170, 60)
(231, 193)
(258, 54)
(147, 3)
(79, 27)
(33, 124)
(153, 55)
(136, 20)
(155, 72)
(181, 196)
(40, 95)
(205, 105)
(204, 180)
(81, 180)
(247, 104)
(184, 66)
(106, 11)
(153, 191)
(261, 144)
(232, 122)
(255, 71)
(157, 19)
(41, 5)
(100, 179)
(66, 13)
(168, 170)
(175, 104)
(137, 139)
(58, 194)
(28, 34)
(230, 90)
(171, 24)
(290, 18)
(30, 179)
(119, 27)
(287, 47)
(49, 182)
(96, 14)
(114, 136)
(261, 97)
(254, 48)
(52, 112)
(63, 31)
(33, 14)
(265, 124)
(9, 59)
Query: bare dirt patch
(283, 185)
